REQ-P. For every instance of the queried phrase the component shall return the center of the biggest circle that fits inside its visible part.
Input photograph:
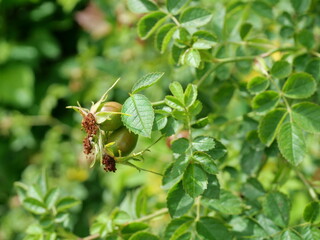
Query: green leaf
(281, 69)
(265, 227)
(307, 116)
(311, 212)
(226, 204)
(257, 84)
(178, 201)
(143, 236)
(149, 23)
(200, 123)
(195, 17)
(34, 205)
(245, 29)
(262, 9)
(276, 206)
(194, 180)
(177, 91)
(142, 6)
(195, 108)
(213, 188)
(289, 235)
(306, 38)
(253, 189)
(180, 145)
(174, 6)
(16, 85)
(203, 40)
(134, 227)
(310, 233)
(51, 197)
(300, 6)
(313, 67)
(269, 125)
(299, 85)
(174, 173)
(190, 95)
(164, 36)
(176, 53)
(174, 103)
(185, 236)
(265, 101)
(139, 115)
(213, 229)
(191, 57)
(291, 143)
(218, 151)
(66, 203)
(203, 143)
(206, 162)
(146, 81)
(160, 121)
(177, 227)
(22, 190)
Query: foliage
(233, 85)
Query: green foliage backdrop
(236, 83)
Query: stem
(198, 204)
(175, 20)
(94, 236)
(153, 215)
(159, 103)
(310, 188)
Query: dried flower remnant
(89, 124)
(87, 146)
(109, 163)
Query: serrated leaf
(139, 115)
(203, 40)
(213, 188)
(146, 81)
(218, 151)
(180, 145)
(281, 69)
(203, 143)
(213, 229)
(149, 23)
(190, 95)
(299, 85)
(34, 205)
(164, 36)
(257, 84)
(191, 57)
(194, 180)
(178, 201)
(206, 162)
(174, 173)
(174, 6)
(195, 17)
(143, 236)
(245, 29)
(142, 6)
(177, 91)
(226, 204)
(276, 206)
(310, 233)
(51, 197)
(307, 116)
(265, 101)
(289, 235)
(174, 103)
(66, 203)
(313, 67)
(291, 143)
(177, 227)
(269, 125)
(160, 121)
(311, 212)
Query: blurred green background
(53, 54)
